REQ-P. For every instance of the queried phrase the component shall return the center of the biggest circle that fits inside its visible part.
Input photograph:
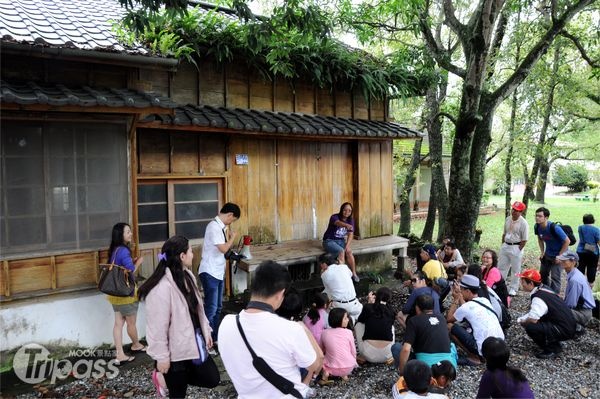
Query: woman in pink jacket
(177, 329)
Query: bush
(573, 176)
(593, 184)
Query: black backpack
(565, 227)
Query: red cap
(531, 274)
(519, 206)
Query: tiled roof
(59, 95)
(281, 123)
(77, 24)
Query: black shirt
(378, 324)
(427, 333)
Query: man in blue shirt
(578, 294)
(552, 241)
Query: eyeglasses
(414, 280)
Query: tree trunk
(404, 194)
(540, 192)
(511, 131)
(437, 166)
(509, 154)
(466, 178)
(427, 234)
(541, 153)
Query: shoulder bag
(283, 384)
(115, 280)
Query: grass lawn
(564, 209)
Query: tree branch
(538, 50)
(437, 51)
(447, 115)
(498, 151)
(584, 54)
(498, 37)
(457, 27)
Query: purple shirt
(499, 384)
(122, 257)
(334, 232)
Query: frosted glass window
(64, 185)
(177, 207)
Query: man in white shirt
(468, 306)
(283, 344)
(339, 287)
(514, 238)
(218, 239)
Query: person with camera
(218, 240)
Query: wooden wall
(375, 193)
(236, 86)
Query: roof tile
(60, 95)
(281, 123)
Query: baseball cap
(568, 255)
(531, 274)
(430, 249)
(469, 281)
(519, 206)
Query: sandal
(144, 348)
(324, 383)
(389, 362)
(465, 361)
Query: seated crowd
(454, 316)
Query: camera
(233, 256)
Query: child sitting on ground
(338, 345)
(442, 374)
(316, 318)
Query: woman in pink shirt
(338, 345)
(492, 276)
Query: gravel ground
(575, 374)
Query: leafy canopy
(296, 41)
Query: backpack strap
(487, 307)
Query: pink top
(492, 277)
(339, 349)
(317, 329)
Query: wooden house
(94, 133)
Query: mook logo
(32, 364)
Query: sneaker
(161, 392)
(310, 393)
(512, 292)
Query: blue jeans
(213, 300)
(396, 349)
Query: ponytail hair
(443, 368)
(318, 302)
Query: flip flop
(142, 349)
(119, 363)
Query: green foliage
(573, 176)
(593, 184)
(295, 42)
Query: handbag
(115, 280)
(590, 247)
(201, 348)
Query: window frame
(170, 204)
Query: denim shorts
(334, 247)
